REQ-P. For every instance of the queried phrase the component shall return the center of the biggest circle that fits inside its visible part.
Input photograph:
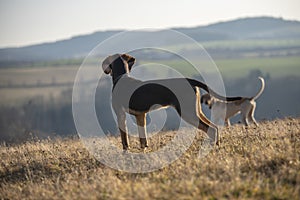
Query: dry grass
(253, 163)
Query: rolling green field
(239, 44)
(275, 67)
(236, 58)
(12, 80)
(233, 68)
(252, 44)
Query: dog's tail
(261, 89)
(196, 83)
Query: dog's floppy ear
(129, 59)
(106, 65)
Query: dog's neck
(117, 71)
(117, 78)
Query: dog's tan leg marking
(123, 130)
(205, 123)
(199, 110)
(141, 122)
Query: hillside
(254, 163)
(260, 28)
(248, 28)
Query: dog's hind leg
(199, 120)
(200, 113)
(141, 122)
(245, 113)
(251, 114)
(212, 131)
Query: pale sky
(25, 22)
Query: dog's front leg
(141, 122)
(123, 129)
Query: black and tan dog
(138, 97)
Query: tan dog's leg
(251, 114)
(141, 122)
(245, 119)
(245, 111)
(123, 130)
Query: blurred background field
(36, 81)
(21, 84)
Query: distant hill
(70, 48)
(79, 46)
(246, 28)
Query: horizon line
(129, 29)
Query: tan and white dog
(246, 106)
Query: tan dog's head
(208, 100)
(108, 63)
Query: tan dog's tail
(261, 89)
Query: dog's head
(208, 100)
(118, 63)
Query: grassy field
(252, 163)
(252, 44)
(240, 44)
(276, 67)
(232, 68)
(19, 84)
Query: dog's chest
(139, 96)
